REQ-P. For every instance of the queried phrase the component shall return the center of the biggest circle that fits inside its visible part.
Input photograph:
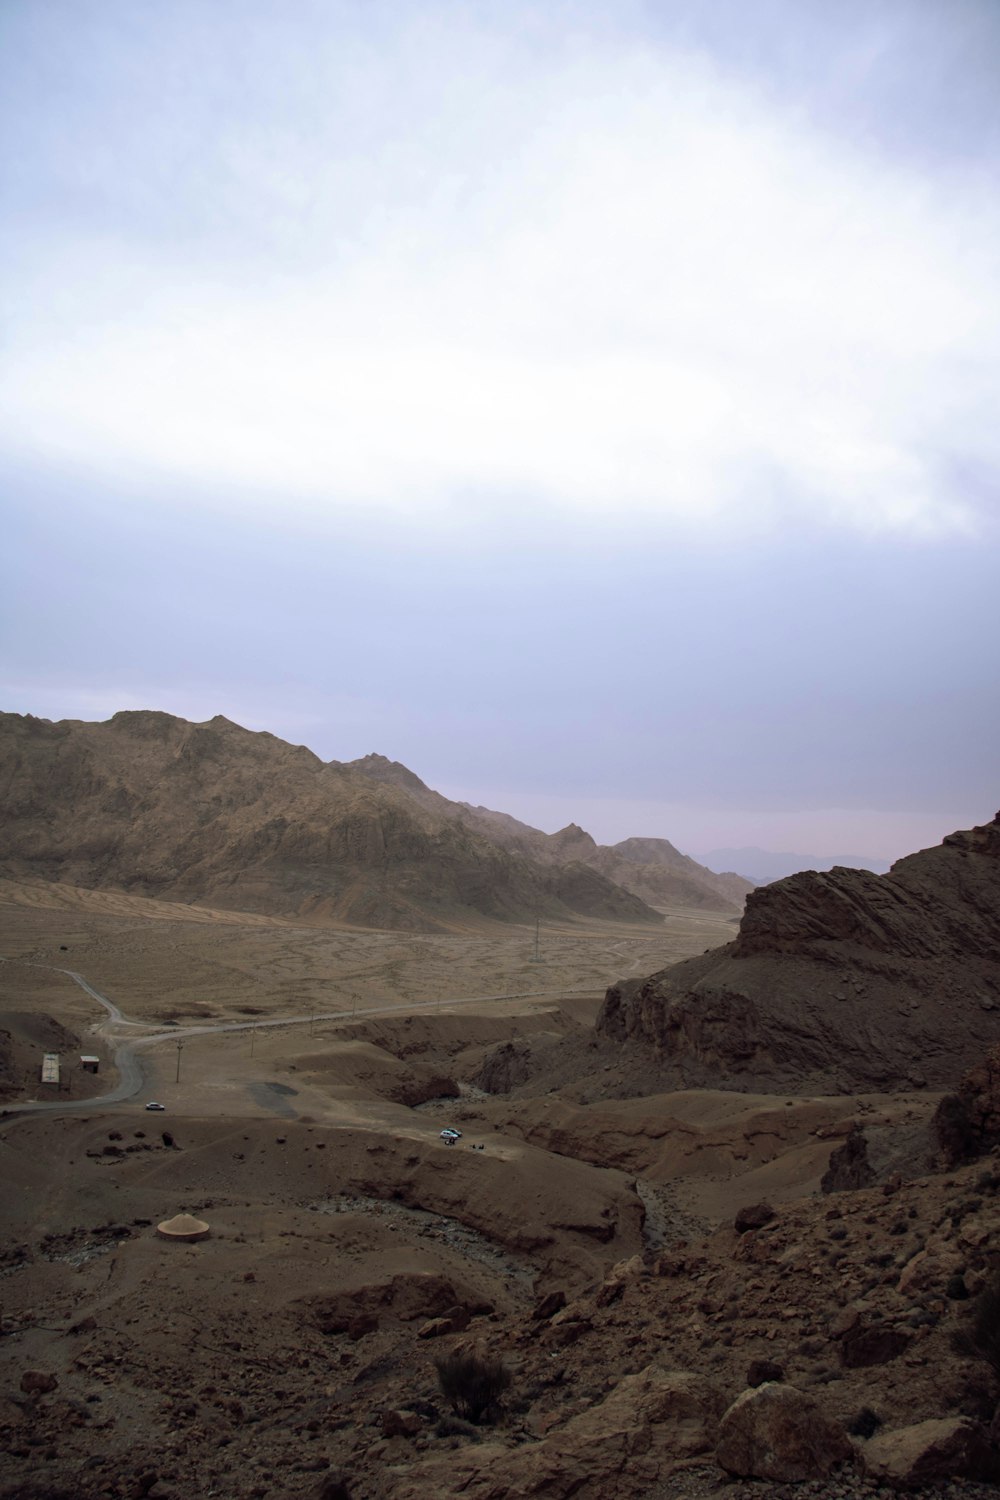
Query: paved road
(131, 1075)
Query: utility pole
(253, 1038)
(179, 1046)
(537, 957)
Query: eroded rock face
(849, 1167)
(404, 1296)
(968, 1123)
(505, 1067)
(777, 1432)
(620, 1448)
(844, 979)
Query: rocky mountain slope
(213, 813)
(838, 980)
(650, 868)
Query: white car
(451, 1136)
(153, 1105)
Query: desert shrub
(980, 1338)
(457, 1427)
(865, 1423)
(472, 1383)
(956, 1130)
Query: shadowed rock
(777, 1432)
(831, 976)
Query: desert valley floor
(580, 1228)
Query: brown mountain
(216, 814)
(663, 876)
(844, 978)
(651, 868)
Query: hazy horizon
(592, 408)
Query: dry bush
(472, 1383)
(980, 1338)
(955, 1130)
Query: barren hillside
(844, 980)
(155, 806)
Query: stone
(398, 1423)
(436, 1328)
(779, 1433)
(939, 1449)
(39, 1382)
(754, 1216)
(548, 1306)
(759, 1371)
(929, 1270)
(872, 1344)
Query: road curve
(131, 1075)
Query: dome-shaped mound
(183, 1227)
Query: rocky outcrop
(839, 980)
(406, 1296)
(504, 1067)
(215, 814)
(968, 1123)
(621, 1447)
(849, 1167)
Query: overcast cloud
(592, 406)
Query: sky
(591, 406)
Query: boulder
(930, 1270)
(754, 1216)
(397, 1423)
(760, 1371)
(778, 1432)
(549, 1305)
(38, 1382)
(872, 1343)
(940, 1449)
(436, 1328)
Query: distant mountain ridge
(764, 865)
(217, 814)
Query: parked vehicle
(451, 1136)
(153, 1105)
